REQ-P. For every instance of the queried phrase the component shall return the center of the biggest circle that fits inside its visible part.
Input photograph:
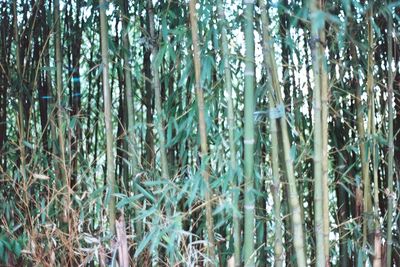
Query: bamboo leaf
(17, 249)
(142, 245)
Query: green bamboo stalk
(375, 159)
(231, 127)
(202, 129)
(390, 142)
(296, 212)
(325, 135)
(21, 117)
(129, 93)
(278, 247)
(275, 97)
(249, 106)
(372, 131)
(364, 151)
(316, 49)
(369, 227)
(60, 119)
(364, 159)
(111, 186)
(276, 189)
(357, 98)
(59, 93)
(157, 93)
(158, 106)
(276, 186)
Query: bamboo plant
(111, 185)
(390, 208)
(318, 157)
(231, 128)
(249, 136)
(276, 101)
(202, 129)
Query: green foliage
(11, 247)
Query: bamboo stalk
(325, 135)
(202, 129)
(275, 97)
(60, 121)
(158, 105)
(278, 247)
(374, 151)
(363, 195)
(20, 117)
(276, 186)
(361, 135)
(372, 131)
(231, 127)
(317, 58)
(369, 223)
(129, 93)
(365, 159)
(366, 207)
(249, 141)
(59, 93)
(111, 186)
(123, 253)
(357, 97)
(391, 193)
(157, 93)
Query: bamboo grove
(199, 133)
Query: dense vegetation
(199, 133)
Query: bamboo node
(249, 141)
(248, 207)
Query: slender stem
(157, 93)
(275, 97)
(372, 131)
(368, 226)
(317, 56)
(129, 93)
(325, 136)
(249, 141)
(202, 128)
(107, 115)
(158, 105)
(59, 92)
(391, 193)
(276, 186)
(276, 189)
(361, 135)
(231, 127)
(364, 158)
(21, 117)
